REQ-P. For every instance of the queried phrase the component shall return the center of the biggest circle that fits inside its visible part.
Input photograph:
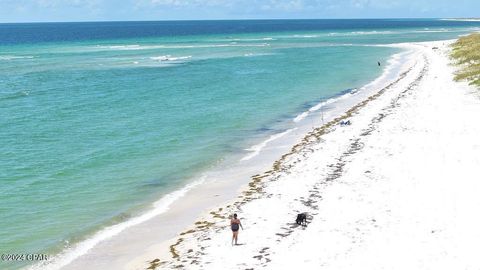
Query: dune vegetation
(466, 53)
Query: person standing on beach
(235, 224)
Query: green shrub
(466, 53)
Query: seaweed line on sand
(257, 183)
(354, 147)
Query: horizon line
(246, 19)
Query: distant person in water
(379, 64)
(235, 224)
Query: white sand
(397, 189)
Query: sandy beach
(396, 189)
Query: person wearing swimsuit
(235, 224)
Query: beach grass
(466, 53)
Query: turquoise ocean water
(97, 124)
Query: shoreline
(271, 196)
(254, 189)
(247, 192)
(86, 247)
(370, 169)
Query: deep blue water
(21, 33)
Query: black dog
(302, 219)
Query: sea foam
(322, 104)
(170, 58)
(15, 57)
(256, 149)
